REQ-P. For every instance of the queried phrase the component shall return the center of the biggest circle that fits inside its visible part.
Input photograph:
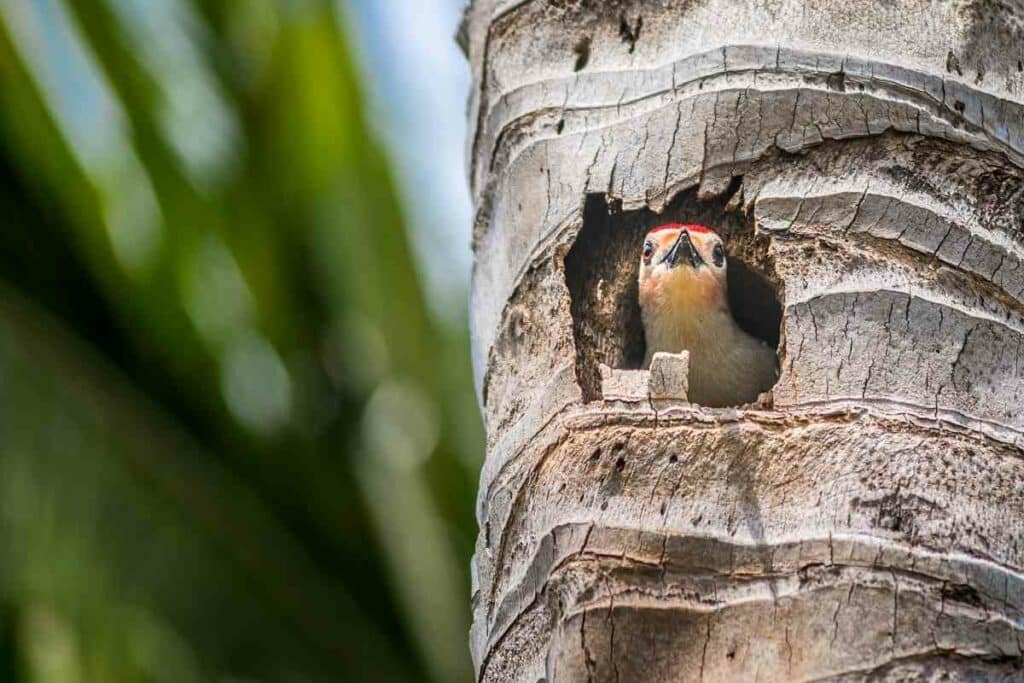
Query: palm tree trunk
(864, 158)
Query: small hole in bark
(630, 33)
(663, 509)
(602, 266)
(837, 81)
(953, 64)
(582, 52)
(560, 126)
(963, 593)
(620, 464)
(959, 106)
(673, 458)
(604, 505)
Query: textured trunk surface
(865, 157)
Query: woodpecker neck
(687, 310)
(671, 327)
(685, 307)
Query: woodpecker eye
(648, 251)
(718, 255)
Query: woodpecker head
(682, 269)
(685, 307)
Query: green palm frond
(239, 446)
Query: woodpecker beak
(683, 250)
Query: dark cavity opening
(602, 266)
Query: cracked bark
(870, 525)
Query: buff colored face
(683, 264)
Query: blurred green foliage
(234, 445)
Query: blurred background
(238, 435)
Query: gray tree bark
(866, 522)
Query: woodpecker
(684, 305)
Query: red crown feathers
(692, 227)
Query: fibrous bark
(866, 523)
